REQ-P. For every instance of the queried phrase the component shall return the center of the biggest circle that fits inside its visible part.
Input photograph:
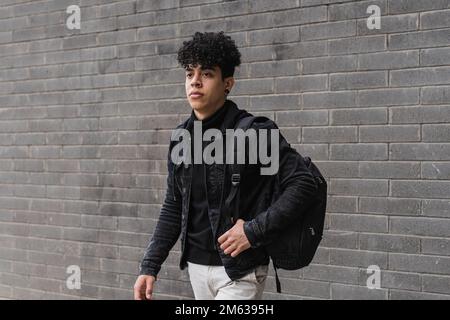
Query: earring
(227, 91)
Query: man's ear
(229, 83)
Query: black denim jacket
(265, 218)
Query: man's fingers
(235, 252)
(139, 290)
(231, 248)
(227, 243)
(149, 288)
(137, 294)
(223, 237)
(143, 288)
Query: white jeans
(212, 282)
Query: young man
(225, 257)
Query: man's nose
(196, 81)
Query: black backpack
(307, 231)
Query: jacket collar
(233, 114)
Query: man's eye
(207, 73)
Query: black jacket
(265, 218)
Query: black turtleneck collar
(215, 120)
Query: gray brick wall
(86, 115)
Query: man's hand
(143, 288)
(234, 241)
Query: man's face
(210, 86)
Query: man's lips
(196, 95)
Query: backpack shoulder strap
(232, 201)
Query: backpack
(306, 232)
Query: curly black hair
(210, 49)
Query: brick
(358, 80)
(400, 6)
(435, 133)
(389, 243)
(420, 114)
(275, 102)
(375, 187)
(100, 222)
(384, 97)
(361, 223)
(419, 189)
(301, 287)
(303, 118)
(340, 239)
(100, 278)
(435, 246)
(419, 151)
(341, 204)
(299, 16)
(266, 5)
(359, 116)
(388, 60)
(435, 95)
(117, 37)
(420, 77)
(142, 5)
(358, 151)
(116, 9)
(357, 45)
(136, 225)
(436, 208)
(246, 22)
(280, 35)
(420, 39)
(47, 205)
(358, 258)
(420, 226)
(412, 295)
(392, 170)
(328, 30)
(434, 19)
(274, 68)
(329, 64)
(289, 51)
(348, 292)
(315, 151)
(6, 37)
(260, 86)
(187, 29)
(390, 24)
(435, 57)
(189, 14)
(301, 84)
(390, 133)
(329, 134)
(123, 238)
(419, 263)
(339, 169)
(344, 99)
(331, 273)
(305, 3)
